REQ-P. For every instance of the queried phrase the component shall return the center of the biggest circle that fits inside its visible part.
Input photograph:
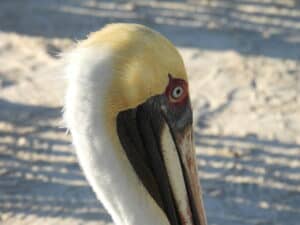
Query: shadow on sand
(39, 173)
(251, 24)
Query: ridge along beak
(184, 178)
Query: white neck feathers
(105, 164)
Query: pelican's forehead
(136, 45)
(142, 60)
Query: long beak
(161, 151)
(179, 156)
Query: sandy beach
(243, 61)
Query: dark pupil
(178, 92)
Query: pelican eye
(177, 92)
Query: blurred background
(243, 61)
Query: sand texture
(243, 60)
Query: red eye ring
(177, 94)
(177, 90)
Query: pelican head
(129, 113)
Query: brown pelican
(129, 113)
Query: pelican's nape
(128, 109)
